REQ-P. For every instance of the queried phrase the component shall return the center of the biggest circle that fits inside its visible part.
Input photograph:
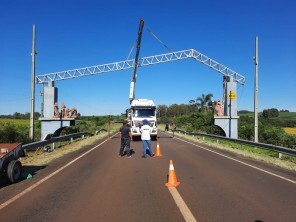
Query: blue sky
(76, 34)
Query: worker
(167, 126)
(125, 139)
(146, 138)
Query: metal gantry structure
(228, 122)
(144, 61)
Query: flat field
(291, 131)
(23, 122)
(282, 115)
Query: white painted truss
(145, 61)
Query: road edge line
(257, 168)
(11, 200)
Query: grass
(287, 115)
(23, 122)
(40, 158)
(282, 115)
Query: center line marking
(188, 216)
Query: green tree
(270, 113)
(161, 110)
(204, 101)
(193, 105)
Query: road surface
(95, 184)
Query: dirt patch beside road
(40, 158)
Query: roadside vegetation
(15, 128)
(41, 158)
(275, 127)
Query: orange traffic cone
(172, 180)
(157, 151)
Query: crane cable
(132, 49)
(159, 40)
(155, 36)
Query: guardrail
(278, 149)
(32, 146)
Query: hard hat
(145, 121)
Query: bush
(10, 133)
(270, 113)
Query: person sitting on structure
(218, 108)
(56, 110)
(67, 111)
(63, 110)
(73, 112)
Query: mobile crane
(140, 108)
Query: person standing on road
(146, 138)
(125, 139)
(166, 126)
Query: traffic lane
(8, 190)
(219, 189)
(101, 186)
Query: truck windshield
(143, 112)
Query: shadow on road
(132, 152)
(27, 171)
(165, 137)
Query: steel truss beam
(145, 61)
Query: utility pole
(230, 98)
(33, 86)
(256, 93)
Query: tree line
(18, 115)
(197, 116)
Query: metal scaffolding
(145, 61)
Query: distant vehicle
(142, 109)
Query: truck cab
(142, 109)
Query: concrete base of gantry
(229, 124)
(50, 125)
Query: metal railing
(278, 149)
(34, 145)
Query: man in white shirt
(146, 139)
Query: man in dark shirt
(125, 138)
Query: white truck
(142, 109)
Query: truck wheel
(14, 171)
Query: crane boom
(133, 82)
(144, 61)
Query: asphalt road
(101, 186)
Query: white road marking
(188, 216)
(254, 167)
(47, 177)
